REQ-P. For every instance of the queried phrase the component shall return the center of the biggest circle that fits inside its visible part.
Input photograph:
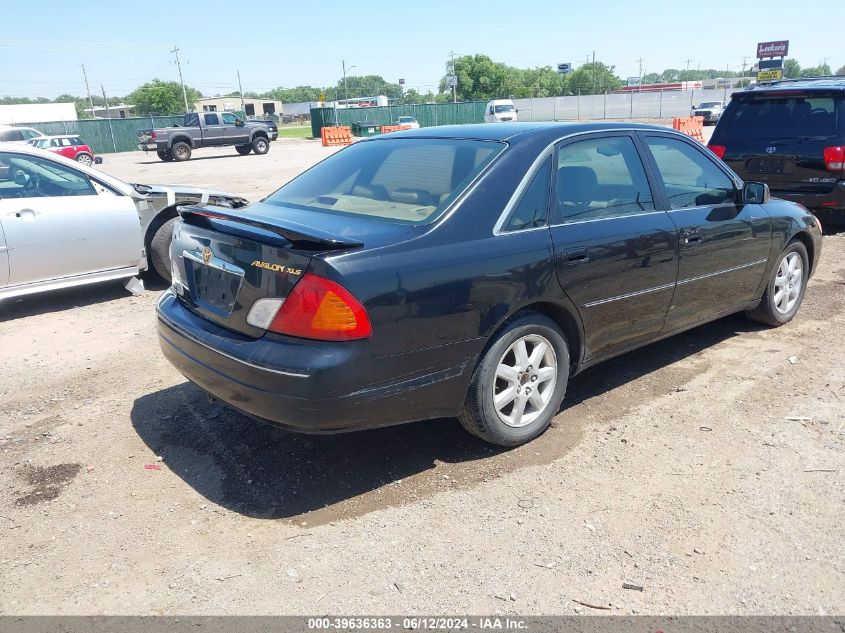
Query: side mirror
(239, 122)
(21, 178)
(755, 193)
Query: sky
(296, 43)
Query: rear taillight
(319, 308)
(719, 150)
(152, 136)
(834, 158)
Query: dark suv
(791, 135)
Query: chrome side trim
(629, 295)
(722, 272)
(240, 361)
(613, 217)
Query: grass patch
(295, 131)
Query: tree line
(478, 78)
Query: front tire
(180, 152)
(85, 159)
(260, 145)
(519, 384)
(785, 289)
(160, 249)
(243, 150)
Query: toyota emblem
(206, 254)
(771, 149)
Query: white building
(37, 112)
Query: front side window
(532, 209)
(601, 178)
(229, 118)
(410, 181)
(23, 176)
(689, 177)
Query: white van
(500, 110)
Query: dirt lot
(707, 469)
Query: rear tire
(159, 258)
(165, 156)
(260, 145)
(85, 159)
(180, 152)
(243, 150)
(518, 385)
(785, 289)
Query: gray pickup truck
(208, 129)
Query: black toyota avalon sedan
(469, 271)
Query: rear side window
(404, 180)
(532, 209)
(601, 178)
(211, 119)
(689, 177)
(783, 117)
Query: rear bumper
(832, 201)
(148, 147)
(313, 386)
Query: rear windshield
(783, 117)
(411, 181)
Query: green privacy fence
(98, 136)
(426, 114)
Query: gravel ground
(707, 468)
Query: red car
(68, 146)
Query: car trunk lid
(225, 260)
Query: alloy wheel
(525, 380)
(788, 282)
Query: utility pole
(639, 86)
(175, 51)
(108, 116)
(241, 88)
(454, 77)
(727, 70)
(345, 85)
(744, 63)
(88, 90)
(687, 61)
(594, 73)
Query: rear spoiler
(298, 235)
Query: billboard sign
(452, 80)
(769, 64)
(779, 48)
(564, 68)
(770, 75)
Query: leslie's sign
(773, 49)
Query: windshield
(783, 117)
(406, 119)
(710, 104)
(503, 108)
(411, 181)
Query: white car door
(4, 257)
(59, 224)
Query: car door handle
(26, 214)
(575, 257)
(691, 237)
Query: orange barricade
(387, 129)
(690, 125)
(341, 135)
